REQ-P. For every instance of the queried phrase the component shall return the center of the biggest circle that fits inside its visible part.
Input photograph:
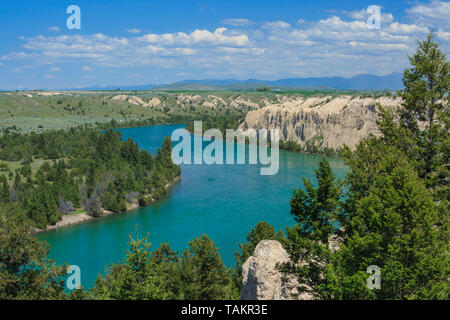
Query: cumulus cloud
(198, 37)
(86, 68)
(55, 69)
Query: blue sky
(143, 42)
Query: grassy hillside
(34, 111)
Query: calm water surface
(222, 201)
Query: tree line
(81, 168)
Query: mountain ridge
(392, 81)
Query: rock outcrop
(260, 278)
(337, 120)
(131, 99)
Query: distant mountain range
(392, 81)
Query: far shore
(73, 219)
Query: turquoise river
(222, 201)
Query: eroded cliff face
(338, 120)
(261, 280)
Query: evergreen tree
(25, 271)
(5, 194)
(424, 126)
(394, 226)
(316, 210)
(90, 180)
(136, 278)
(204, 275)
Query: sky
(153, 42)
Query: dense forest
(392, 211)
(59, 172)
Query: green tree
(90, 180)
(316, 210)
(5, 194)
(203, 273)
(394, 225)
(423, 130)
(41, 207)
(135, 278)
(25, 271)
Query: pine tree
(135, 278)
(90, 180)
(394, 226)
(5, 194)
(425, 114)
(25, 271)
(204, 275)
(316, 210)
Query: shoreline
(74, 219)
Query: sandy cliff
(339, 120)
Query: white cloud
(443, 35)
(399, 28)
(205, 37)
(15, 56)
(276, 25)
(362, 15)
(435, 14)
(356, 15)
(54, 29)
(238, 22)
(133, 30)
(340, 44)
(55, 69)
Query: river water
(222, 201)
